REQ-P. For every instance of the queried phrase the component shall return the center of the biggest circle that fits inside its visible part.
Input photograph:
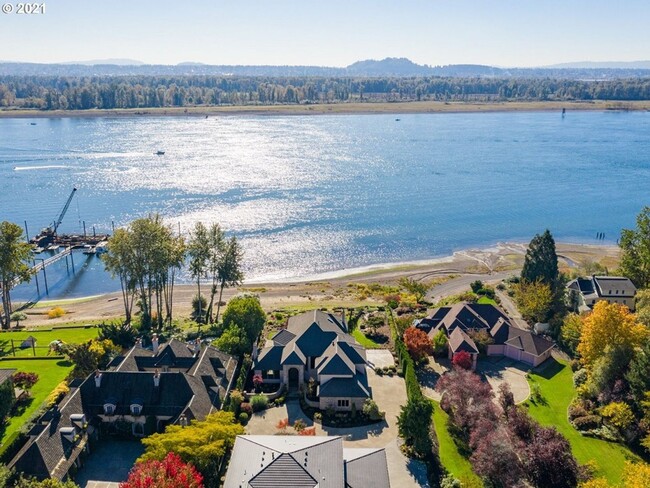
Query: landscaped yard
(364, 341)
(451, 459)
(486, 301)
(43, 338)
(50, 373)
(556, 384)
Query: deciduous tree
(202, 443)
(462, 359)
(229, 271)
(418, 343)
(549, 462)
(571, 331)
(14, 253)
(171, 472)
(417, 288)
(534, 300)
(609, 326)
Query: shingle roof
(292, 355)
(270, 358)
(366, 468)
(614, 286)
(527, 341)
(283, 337)
(321, 457)
(460, 341)
(5, 374)
(353, 387)
(284, 471)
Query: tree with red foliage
(466, 399)
(548, 460)
(495, 458)
(418, 343)
(171, 472)
(463, 359)
(25, 380)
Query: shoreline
(366, 108)
(337, 289)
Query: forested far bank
(111, 92)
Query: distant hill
(602, 65)
(388, 67)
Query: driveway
(390, 395)
(108, 464)
(494, 370)
(508, 371)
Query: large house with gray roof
(461, 320)
(316, 345)
(612, 289)
(287, 461)
(142, 392)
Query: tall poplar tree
(14, 253)
(635, 251)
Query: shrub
(246, 408)
(587, 422)
(282, 424)
(318, 417)
(379, 371)
(308, 431)
(577, 409)
(257, 381)
(418, 343)
(463, 359)
(243, 418)
(299, 425)
(259, 403)
(450, 482)
(371, 410)
(579, 377)
(280, 400)
(57, 394)
(122, 335)
(25, 380)
(55, 313)
(619, 414)
(476, 286)
(440, 342)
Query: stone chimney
(98, 379)
(156, 379)
(182, 420)
(154, 344)
(138, 342)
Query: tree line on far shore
(125, 92)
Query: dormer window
(68, 433)
(136, 409)
(109, 408)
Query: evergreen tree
(13, 267)
(635, 251)
(540, 263)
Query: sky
(330, 32)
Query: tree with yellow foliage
(534, 300)
(609, 326)
(636, 475)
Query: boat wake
(34, 168)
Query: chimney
(154, 344)
(138, 342)
(197, 346)
(182, 420)
(98, 379)
(156, 379)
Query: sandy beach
(337, 108)
(339, 289)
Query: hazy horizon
(503, 33)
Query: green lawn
(453, 461)
(556, 384)
(486, 301)
(43, 339)
(364, 341)
(50, 373)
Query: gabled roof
(612, 286)
(320, 457)
(366, 468)
(313, 340)
(284, 470)
(270, 358)
(351, 387)
(335, 362)
(526, 341)
(460, 341)
(6, 373)
(291, 355)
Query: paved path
(461, 284)
(390, 395)
(511, 309)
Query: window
(344, 403)
(109, 409)
(136, 409)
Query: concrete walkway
(390, 395)
(109, 464)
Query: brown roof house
(613, 289)
(316, 345)
(460, 320)
(142, 392)
(287, 461)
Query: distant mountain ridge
(387, 67)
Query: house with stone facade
(316, 346)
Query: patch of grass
(364, 341)
(50, 373)
(486, 301)
(450, 457)
(43, 338)
(556, 388)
